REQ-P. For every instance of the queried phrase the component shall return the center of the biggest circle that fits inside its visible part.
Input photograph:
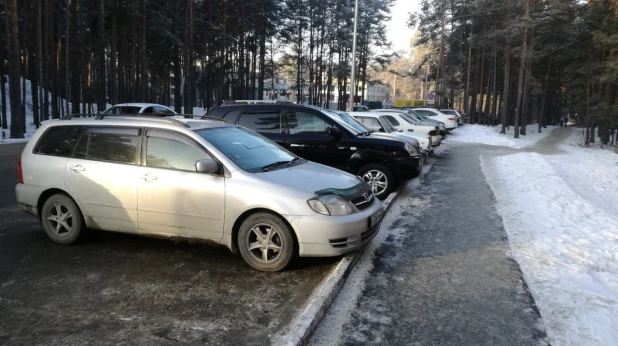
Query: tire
(62, 220)
(373, 174)
(275, 233)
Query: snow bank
(479, 134)
(565, 242)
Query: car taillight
(20, 173)
(451, 119)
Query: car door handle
(77, 168)
(148, 177)
(297, 145)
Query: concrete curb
(305, 323)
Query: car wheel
(380, 179)
(61, 218)
(266, 242)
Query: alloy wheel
(60, 219)
(377, 180)
(264, 243)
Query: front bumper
(326, 236)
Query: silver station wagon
(195, 180)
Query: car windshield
(247, 149)
(337, 116)
(350, 121)
(416, 116)
(408, 118)
(388, 127)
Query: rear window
(58, 141)
(109, 144)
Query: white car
(454, 112)
(381, 125)
(402, 120)
(450, 121)
(139, 108)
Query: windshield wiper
(273, 165)
(294, 160)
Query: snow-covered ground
(561, 215)
(30, 127)
(479, 134)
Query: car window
(426, 113)
(269, 122)
(245, 148)
(371, 123)
(123, 110)
(114, 144)
(392, 120)
(306, 123)
(231, 116)
(148, 110)
(173, 151)
(162, 110)
(58, 141)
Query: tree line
(524, 61)
(80, 55)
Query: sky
(398, 32)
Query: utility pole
(352, 88)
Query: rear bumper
(28, 197)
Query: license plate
(375, 218)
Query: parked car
(409, 137)
(455, 113)
(425, 120)
(449, 121)
(211, 181)
(317, 135)
(402, 120)
(378, 123)
(139, 108)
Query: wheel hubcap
(377, 180)
(264, 243)
(60, 219)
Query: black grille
(362, 203)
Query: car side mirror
(334, 131)
(207, 166)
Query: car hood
(397, 135)
(316, 178)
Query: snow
(561, 215)
(479, 134)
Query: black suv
(316, 135)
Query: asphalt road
(113, 288)
(446, 278)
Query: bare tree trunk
(75, 65)
(112, 59)
(506, 91)
(466, 96)
(101, 72)
(12, 35)
(520, 82)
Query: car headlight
(330, 205)
(411, 149)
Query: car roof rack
(126, 116)
(80, 115)
(254, 102)
(201, 117)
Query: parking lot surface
(444, 275)
(113, 288)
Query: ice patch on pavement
(488, 135)
(565, 244)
